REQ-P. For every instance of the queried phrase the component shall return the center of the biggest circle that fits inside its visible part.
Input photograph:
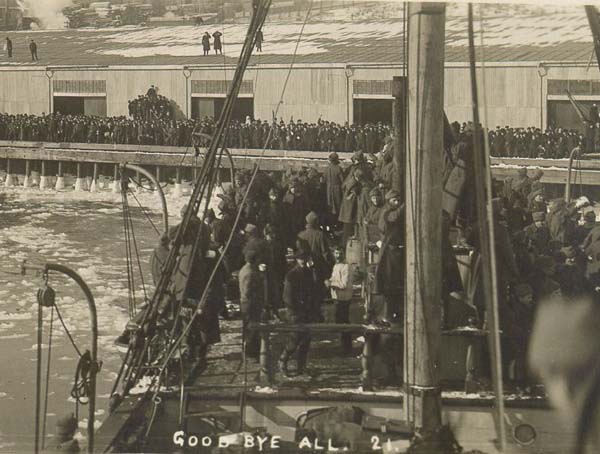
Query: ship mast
(423, 207)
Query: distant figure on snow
(206, 43)
(259, 41)
(9, 47)
(33, 49)
(217, 44)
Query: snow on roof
(360, 34)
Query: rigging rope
(81, 384)
(146, 213)
(491, 247)
(207, 172)
(238, 215)
(67, 331)
(48, 361)
(139, 263)
(128, 252)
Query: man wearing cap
(255, 242)
(276, 266)
(295, 208)
(272, 213)
(582, 231)
(516, 324)
(252, 298)
(348, 210)
(222, 229)
(564, 351)
(334, 178)
(391, 266)
(537, 235)
(560, 220)
(318, 248)
(373, 215)
(299, 295)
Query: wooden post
(424, 216)
(43, 176)
(79, 182)
(116, 185)
(93, 187)
(398, 121)
(266, 371)
(177, 191)
(60, 179)
(26, 180)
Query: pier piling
(60, 179)
(43, 176)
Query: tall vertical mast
(423, 189)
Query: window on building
(373, 110)
(80, 105)
(211, 107)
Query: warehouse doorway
(373, 111)
(562, 114)
(212, 107)
(80, 105)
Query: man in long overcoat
(252, 297)
(299, 300)
(334, 178)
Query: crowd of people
(152, 123)
(544, 248)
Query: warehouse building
(342, 69)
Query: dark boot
(282, 366)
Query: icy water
(85, 232)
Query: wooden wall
(24, 92)
(310, 93)
(513, 95)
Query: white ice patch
(5, 316)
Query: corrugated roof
(369, 33)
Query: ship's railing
(266, 329)
(473, 339)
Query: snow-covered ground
(351, 26)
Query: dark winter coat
(299, 294)
(334, 177)
(348, 209)
(252, 292)
(391, 266)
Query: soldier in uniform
(299, 294)
(388, 290)
(317, 246)
(537, 235)
(582, 231)
(334, 178)
(252, 299)
(276, 264)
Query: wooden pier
(17, 158)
